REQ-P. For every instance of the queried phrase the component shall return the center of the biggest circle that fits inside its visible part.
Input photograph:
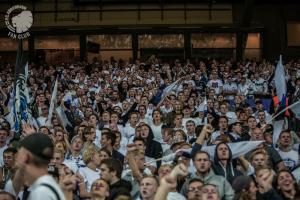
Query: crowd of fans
(122, 132)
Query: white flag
(280, 81)
(52, 104)
(168, 89)
(277, 129)
(237, 148)
(62, 117)
(296, 109)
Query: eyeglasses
(197, 189)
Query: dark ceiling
(80, 2)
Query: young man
(129, 129)
(275, 159)
(6, 170)
(141, 145)
(204, 172)
(289, 156)
(34, 155)
(3, 137)
(111, 171)
(108, 140)
(148, 188)
(194, 189)
(99, 190)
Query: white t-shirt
(157, 132)
(165, 110)
(98, 138)
(41, 121)
(175, 196)
(89, 176)
(290, 158)
(128, 132)
(10, 189)
(215, 84)
(38, 191)
(230, 87)
(1, 155)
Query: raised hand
(265, 181)
(27, 129)
(208, 129)
(168, 182)
(179, 170)
(68, 182)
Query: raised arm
(168, 183)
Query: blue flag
(21, 111)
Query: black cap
(39, 145)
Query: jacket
(225, 190)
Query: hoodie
(153, 148)
(229, 171)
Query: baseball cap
(39, 145)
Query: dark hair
(105, 129)
(200, 152)
(193, 180)
(86, 131)
(106, 151)
(117, 133)
(275, 183)
(110, 136)
(113, 165)
(10, 150)
(132, 113)
(94, 114)
(191, 121)
(223, 117)
(4, 129)
(142, 106)
(250, 118)
(48, 130)
(114, 113)
(139, 139)
(156, 110)
(284, 131)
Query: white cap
(71, 165)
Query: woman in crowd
(286, 185)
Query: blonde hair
(88, 154)
(64, 145)
(56, 150)
(259, 151)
